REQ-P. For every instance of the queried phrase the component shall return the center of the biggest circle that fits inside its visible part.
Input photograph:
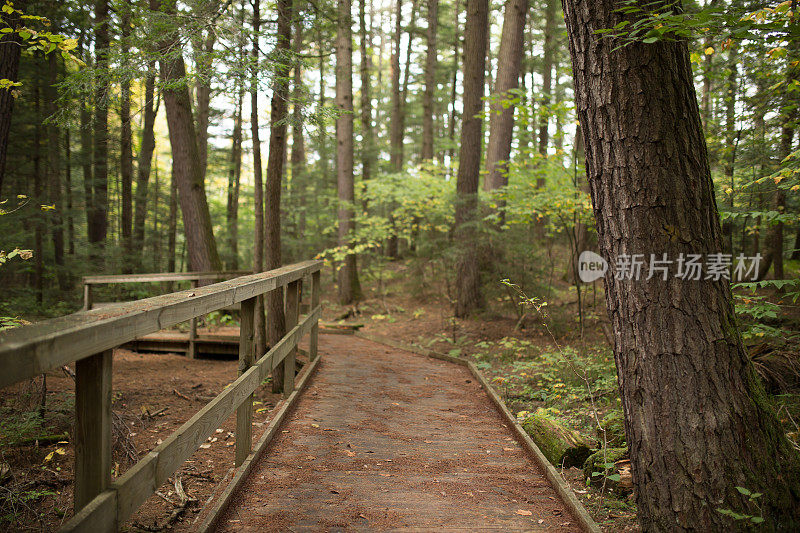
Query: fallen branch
(177, 393)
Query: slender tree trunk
(395, 131)
(453, 83)
(173, 218)
(234, 181)
(10, 47)
(730, 136)
(349, 287)
(279, 112)
(199, 233)
(431, 61)
(144, 164)
(406, 78)
(697, 419)
(501, 122)
(204, 49)
(86, 154)
(258, 195)
(68, 194)
(368, 135)
(298, 158)
(547, 75)
(172, 222)
(468, 294)
(98, 226)
(126, 151)
(55, 195)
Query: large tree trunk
(98, 225)
(349, 288)
(279, 111)
(697, 419)
(430, 82)
(10, 47)
(144, 163)
(547, 75)
(501, 123)
(468, 294)
(200, 242)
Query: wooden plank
(87, 296)
(221, 504)
(163, 276)
(92, 427)
(32, 350)
(140, 481)
(192, 352)
(313, 341)
(247, 352)
(99, 515)
(292, 308)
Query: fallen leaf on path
(523, 512)
(350, 454)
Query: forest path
(386, 439)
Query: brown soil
(385, 439)
(153, 395)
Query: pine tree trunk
(258, 193)
(55, 194)
(298, 158)
(98, 225)
(468, 295)
(501, 122)
(172, 228)
(204, 48)
(697, 419)
(144, 163)
(10, 47)
(431, 62)
(126, 153)
(451, 134)
(202, 248)
(349, 288)
(234, 181)
(730, 137)
(395, 131)
(68, 193)
(547, 75)
(279, 112)
(368, 150)
(38, 189)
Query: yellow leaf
(708, 51)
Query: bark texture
(202, 248)
(349, 288)
(10, 47)
(697, 419)
(468, 295)
(431, 61)
(145, 160)
(501, 122)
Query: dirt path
(385, 439)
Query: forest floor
(544, 364)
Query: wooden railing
(88, 337)
(193, 277)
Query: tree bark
(10, 48)
(451, 134)
(202, 248)
(279, 112)
(349, 287)
(547, 75)
(431, 61)
(234, 182)
(55, 194)
(68, 194)
(697, 419)
(144, 163)
(173, 218)
(204, 48)
(368, 150)
(468, 294)
(98, 225)
(126, 150)
(395, 130)
(501, 122)
(730, 136)
(298, 158)
(258, 192)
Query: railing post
(291, 311)
(92, 427)
(247, 350)
(192, 353)
(313, 339)
(87, 296)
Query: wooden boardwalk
(383, 439)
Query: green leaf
(650, 40)
(744, 491)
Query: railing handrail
(153, 277)
(29, 351)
